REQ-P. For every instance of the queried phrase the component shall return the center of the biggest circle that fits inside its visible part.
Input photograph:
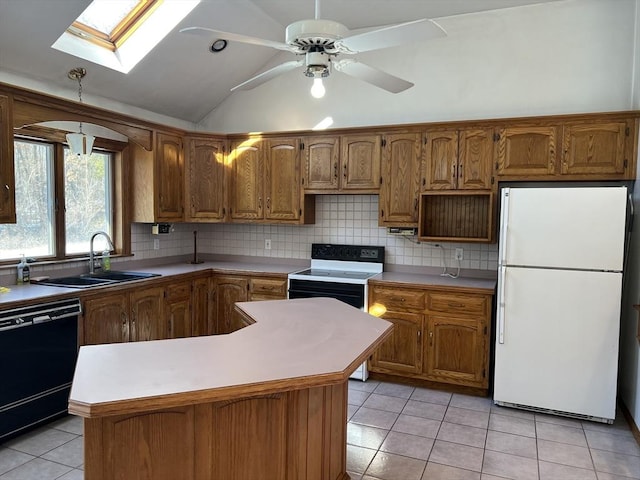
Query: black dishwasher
(38, 353)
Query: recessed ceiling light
(218, 45)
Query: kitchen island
(266, 402)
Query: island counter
(266, 402)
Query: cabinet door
(202, 308)
(7, 180)
(229, 290)
(400, 186)
(321, 163)
(455, 350)
(526, 151)
(178, 310)
(361, 156)
(147, 314)
(282, 180)
(106, 319)
(596, 148)
(169, 177)
(475, 160)
(246, 183)
(205, 180)
(402, 350)
(440, 160)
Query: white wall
(629, 346)
(560, 57)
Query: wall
(562, 57)
(629, 346)
(348, 219)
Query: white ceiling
(180, 77)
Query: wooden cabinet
(580, 149)
(527, 150)
(458, 159)
(230, 289)
(264, 182)
(158, 180)
(7, 180)
(439, 336)
(594, 148)
(400, 180)
(125, 316)
(205, 180)
(178, 312)
(348, 164)
(227, 291)
(202, 307)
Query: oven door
(350, 293)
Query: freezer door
(581, 227)
(560, 340)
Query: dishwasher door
(38, 353)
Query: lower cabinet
(125, 316)
(438, 335)
(229, 289)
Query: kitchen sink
(100, 278)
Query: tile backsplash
(345, 219)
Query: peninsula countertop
(292, 344)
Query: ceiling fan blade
(372, 75)
(268, 75)
(237, 37)
(392, 36)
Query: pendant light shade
(80, 143)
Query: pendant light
(80, 143)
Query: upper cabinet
(7, 181)
(458, 159)
(347, 164)
(527, 150)
(400, 179)
(264, 182)
(205, 179)
(585, 148)
(594, 148)
(158, 180)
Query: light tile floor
(397, 432)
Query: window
(60, 202)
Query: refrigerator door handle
(504, 225)
(500, 314)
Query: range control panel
(347, 253)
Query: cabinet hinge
(425, 140)
(301, 145)
(492, 180)
(496, 137)
(302, 181)
(625, 163)
(380, 180)
(300, 212)
(383, 142)
(627, 131)
(484, 373)
(224, 211)
(485, 329)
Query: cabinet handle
(455, 305)
(419, 333)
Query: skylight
(119, 33)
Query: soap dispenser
(23, 272)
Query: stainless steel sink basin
(97, 279)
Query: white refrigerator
(558, 305)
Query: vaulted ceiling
(180, 77)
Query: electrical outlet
(459, 254)
(267, 244)
(156, 244)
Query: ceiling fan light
(80, 144)
(317, 89)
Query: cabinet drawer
(269, 286)
(179, 290)
(458, 303)
(398, 298)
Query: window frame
(118, 177)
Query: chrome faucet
(91, 254)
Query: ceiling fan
(321, 42)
